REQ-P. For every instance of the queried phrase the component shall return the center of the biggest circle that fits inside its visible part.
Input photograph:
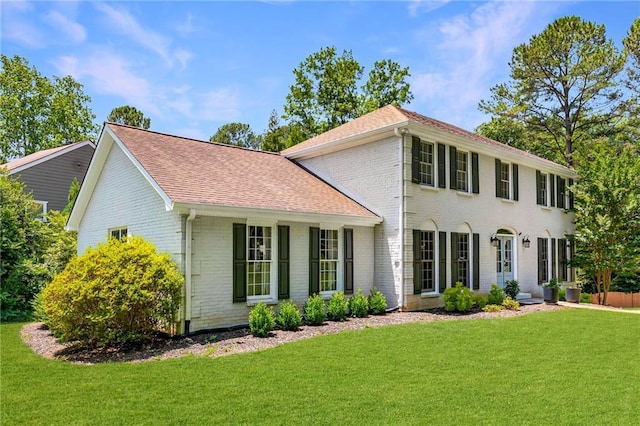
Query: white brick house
(392, 199)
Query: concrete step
(523, 296)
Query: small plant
(493, 308)
(39, 314)
(553, 283)
(289, 317)
(496, 295)
(510, 304)
(359, 305)
(211, 338)
(479, 301)
(314, 310)
(377, 302)
(337, 307)
(585, 298)
(458, 298)
(562, 294)
(261, 320)
(511, 289)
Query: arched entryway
(505, 256)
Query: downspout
(187, 271)
(400, 133)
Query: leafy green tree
(238, 134)
(608, 215)
(325, 93)
(74, 190)
(130, 116)
(279, 136)
(632, 48)
(564, 85)
(37, 112)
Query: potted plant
(573, 294)
(551, 291)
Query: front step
(523, 296)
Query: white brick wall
(122, 197)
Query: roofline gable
(67, 148)
(106, 141)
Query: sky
(192, 66)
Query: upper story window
(542, 191)
(463, 169)
(506, 180)
(426, 163)
(118, 233)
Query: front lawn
(576, 366)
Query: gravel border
(43, 343)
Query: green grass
(576, 366)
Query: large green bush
(289, 316)
(359, 305)
(120, 291)
(315, 311)
(458, 298)
(261, 320)
(496, 295)
(337, 307)
(377, 302)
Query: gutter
(187, 270)
(400, 133)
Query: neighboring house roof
(195, 173)
(39, 157)
(389, 118)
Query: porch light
(494, 240)
(525, 242)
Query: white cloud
(76, 32)
(16, 27)
(417, 7)
(123, 22)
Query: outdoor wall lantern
(494, 240)
(525, 242)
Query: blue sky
(194, 66)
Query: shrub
(562, 294)
(511, 289)
(479, 301)
(337, 307)
(458, 298)
(261, 320)
(289, 317)
(510, 304)
(314, 310)
(493, 308)
(121, 291)
(377, 302)
(496, 295)
(585, 298)
(39, 314)
(359, 305)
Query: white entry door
(504, 260)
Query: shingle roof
(198, 172)
(31, 158)
(389, 116)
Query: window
(561, 192)
(463, 258)
(505, 181)
(426, 163)
(41, 211)
(462, 171)
(118, 233)
(543, 260)
(259, 261)
(427, 261)
(542, 195)
(328, 260)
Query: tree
(608, 215)
(238, 134)
(564, 84)
(37, 112)
(326, 94)
(278, 136)
(130, 116)
(631, 44)
(74, 190)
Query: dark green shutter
(541, 263)
(498, 178)
(539, 199)
(348, 261)
(442, 254)
(454, 258)
(314, 260)
(515, 182)
(562, 259)
(453, 167)
(476, 261)
(283, 262)
(572, 254)
(415, 159)
(552, 189)
(239, 262)
(554, 272)
(475, 175)
(417, 262)
(571, 199)
(442, 172)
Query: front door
(504, 259)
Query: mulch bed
(214, 344)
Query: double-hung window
(462, 171)
(543, 260)
(328, 260)
(506, 180)
(463, 258)
(428, 261)
(259, 261)
(427, 176)
(542, 190)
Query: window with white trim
(463, 259)
(427, 156)
(41, 212)
(328, 260)
(119, 233)
(543, 191)
(505, 180)
(428, 260)
(462, 171)
(259, 258)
